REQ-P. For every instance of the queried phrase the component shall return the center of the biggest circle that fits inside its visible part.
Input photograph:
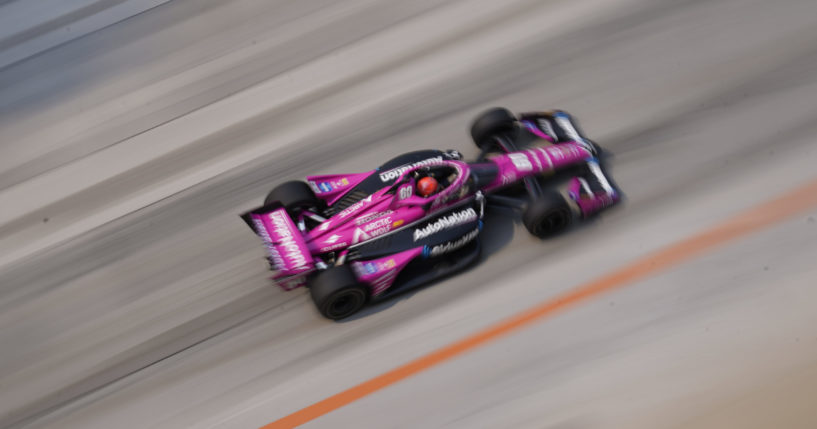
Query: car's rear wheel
(337, 293)
(490, 123)
(547, 215)
(294, 194)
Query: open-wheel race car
(355, 238)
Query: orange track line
(756, 218)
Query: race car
(356, 238)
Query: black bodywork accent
(404, 238)
(482, 173)
(446, 248)
(263, 209)
(421, 270)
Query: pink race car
(354, 238)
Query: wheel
(490, 123)
(547, 215)
(294, 194)
(337, 293)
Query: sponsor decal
(359, 235)
(370, 217)
(544, 125)
(445, 222)
(340, 245)
(275, 257)
(555, 152)
(378, 227)
(314, 187)
(354, 207)
(379, 223)
(406, 192)
(564, 121)
(262, 231)
(386, 269)
(277, 260)
(287, 242)
(383, 282)
(508, 178)
(521, 161)
(454, 245)
(545, 156)
(397, 223)
(324, 226)
(380, 231)
(332, 239)
(369, 268)
(394, 173)
(325, 186)
(596, 170)
(535, 159)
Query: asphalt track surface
(131, 295)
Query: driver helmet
(427, 186)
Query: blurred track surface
(131, 295)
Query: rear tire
(547, 215)
(293, 195)
(490, 123)
(337, 293)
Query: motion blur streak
(761, 216)
(132, 133)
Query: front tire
(547, 215)
(490, 123)
(337, 293)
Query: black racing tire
(490, 123)
(337, 293)
(547, 215)
(292, 195)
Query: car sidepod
(446, 242)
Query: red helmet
(426, 186)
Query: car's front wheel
(547, 215)
(337, 293)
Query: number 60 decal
(405, 192)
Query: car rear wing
(288, 253)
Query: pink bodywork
(587, 201)
(515, 166)
(537, 132)
(370, 217)
(332, 187)
(380, 273)
(285, 245)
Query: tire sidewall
(548, 215)
(331, 287)
(489, 123)
(343, 303)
